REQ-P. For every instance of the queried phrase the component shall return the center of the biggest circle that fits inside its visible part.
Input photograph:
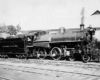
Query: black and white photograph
(49, 39)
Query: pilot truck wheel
(56, 53)
(85, 58)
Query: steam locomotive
(57, 44)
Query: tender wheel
(86, 58)
(6, 56)
(56, 53)
(20, 57)
(41, 54)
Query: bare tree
(10, 29)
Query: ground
(48, 70)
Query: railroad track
(41, 71)
(3, 78)
(76, 64)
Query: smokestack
(81, 27)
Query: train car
(19, 45)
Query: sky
(48, 14)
